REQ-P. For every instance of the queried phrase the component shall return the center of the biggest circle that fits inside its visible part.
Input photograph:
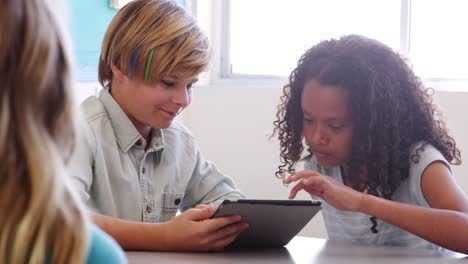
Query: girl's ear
(118, 74)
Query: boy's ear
(118, 74)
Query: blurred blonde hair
(40, 218)
(155, 33)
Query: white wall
(232, 125)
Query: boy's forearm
(133, 235)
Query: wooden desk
(306, 250)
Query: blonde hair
(40, 218)
(151, 39)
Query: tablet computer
(272, 223)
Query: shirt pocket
(170, 205)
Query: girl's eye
(167, 83)
(336, 127)
(189, 86)
(308, 120)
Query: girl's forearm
(446, 228)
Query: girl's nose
(319, 136)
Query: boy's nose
(182, 97)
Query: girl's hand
(334, 193)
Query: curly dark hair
(390, 108)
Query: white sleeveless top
(355, 226)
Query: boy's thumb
(198, 214)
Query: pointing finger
(301, 175)
(295, 190)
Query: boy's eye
(167, 83)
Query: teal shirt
(103, 249)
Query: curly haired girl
(378, 154)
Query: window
(117, 4)
(268, 37)
(263, 38)
(439, 41)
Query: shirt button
(149, 209)
(177, 201)
(143, 170)
(139, 143)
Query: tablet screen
(272, 223)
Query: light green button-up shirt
(115, 176)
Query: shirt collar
(126, 133)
